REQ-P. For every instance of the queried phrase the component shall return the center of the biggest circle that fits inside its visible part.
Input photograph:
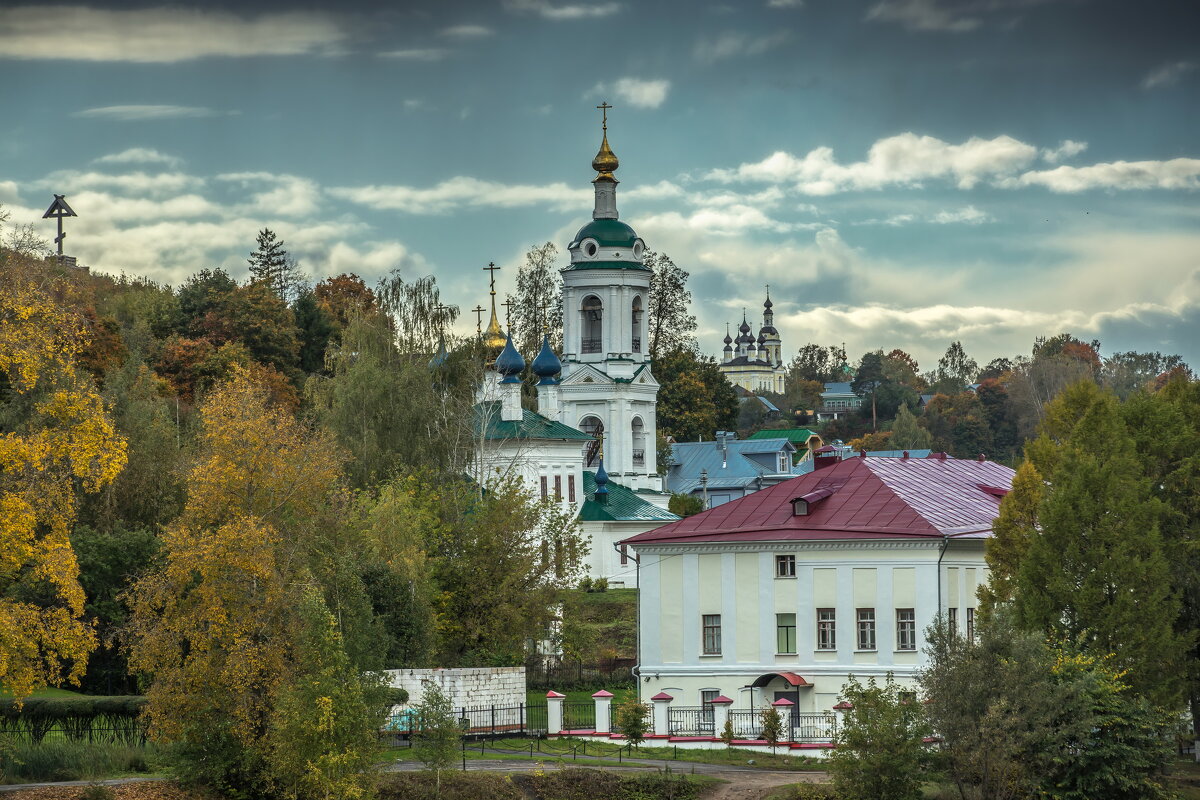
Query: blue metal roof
(837, 388)
(734, 469)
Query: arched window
(592, 315)
(639, 442)
(637, 324)
(593, 427)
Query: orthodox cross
(59, 209)
(604, 107)
(491, 268)
(508, 304)
(478, 320)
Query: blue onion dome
(768, 305)
(728, 340)
(509, 363)
(601, 479)
(761, 337)
(745, 326)
(546, 365)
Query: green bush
(804, 791)
(71, 761)
(97, 791)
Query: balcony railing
(637, 345)
(590, 345)
(639, 458)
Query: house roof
(734, 470)
(623, 505)
(745, 361)
(531, 425)
(858, 498)
(796, 436)
(842, 387)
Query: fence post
(839, 716)
(603, 701)
(554, 712)
(720, 707)
(662, 701)
(783, 707)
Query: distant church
(756, 365)
(592, 442)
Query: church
(755, 364)
(591, 444)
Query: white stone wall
(466, 686)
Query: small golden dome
(493, 336)
(605, 161)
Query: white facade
(740, 583)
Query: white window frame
(866, 640)
(906, 629)
(785, 565)
(710, 645)
(827, 629)
(779, 627)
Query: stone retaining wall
(466, 686)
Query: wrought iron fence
(813, 727)
(746, 724)
(611, 673)
(130, 732)
(684, 721)
(579, 716)
(591, 345)
(476, 721)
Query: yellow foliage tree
(55, 435)
(217, 626)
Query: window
(545, 491)
(785, 634)
(866, 629)
(637, 324)
(970, 624)
(826, 629)
(558, 487)
(571, 488)
(624, 556)
(783, 462)
(785, 566)
(706, 705)
(712, 634)
(906, 629)
(952, 620)
(591, 313)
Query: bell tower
(606, 381)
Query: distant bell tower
(606, 382)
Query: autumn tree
(695, 399)
(201, 293)
(343, 297)
(955, 371)
(218, 627)
(55, 439)
(537, 306)
(817, 363)
(672, 326)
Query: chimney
(981, 457)
(863, 452)
(904, 456)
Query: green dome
(607, 233)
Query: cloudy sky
(901, 172)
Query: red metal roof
(867, 498)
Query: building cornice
(798, 545)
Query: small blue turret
(601, 483)
(546, 365)
(509, 363)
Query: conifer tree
(1012, 532)
(271, 265)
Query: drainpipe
(941, 552)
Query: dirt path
(746, 785)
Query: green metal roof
(623, 505)
(607, 233)
(609, 265)
(531, 425)
(793, 435)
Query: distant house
(838, 400)
(729, 468)
(784, 593)
(804, 440)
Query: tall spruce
(1096, 572)
(271, 265)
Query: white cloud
(8, 192)
(417, 54)
(655, 191)
(281, 195)
(946, 16)
(637, 92)
(1178, 173)
(413, 103)
(104, 206)
(724, 221)
(466, 31)
(137, 113)
(464, 191)
(562, 13)
(140, 155)
(1066, 149)
(1167, 74)
(161, 35)
(969, 215)
(156, 185)
(375, 258)
(732, 44)
(785, 3)
(903, 160)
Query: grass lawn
(474, 752)
(51, 692)
(537, 697)
(563, 749)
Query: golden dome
(493, 336)
(605, 161)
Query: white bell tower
(606, 380)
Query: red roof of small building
(861, 498)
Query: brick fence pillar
(662, 701)
(603, 701)
(554, 712)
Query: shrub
(585, 583)
(633, 720)
(879, 748)
(438, 731)
(66, 760)
(600, 585)
(805, 791)
(727, 732)
(97, 791)
(772, 726)
(455, 786)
